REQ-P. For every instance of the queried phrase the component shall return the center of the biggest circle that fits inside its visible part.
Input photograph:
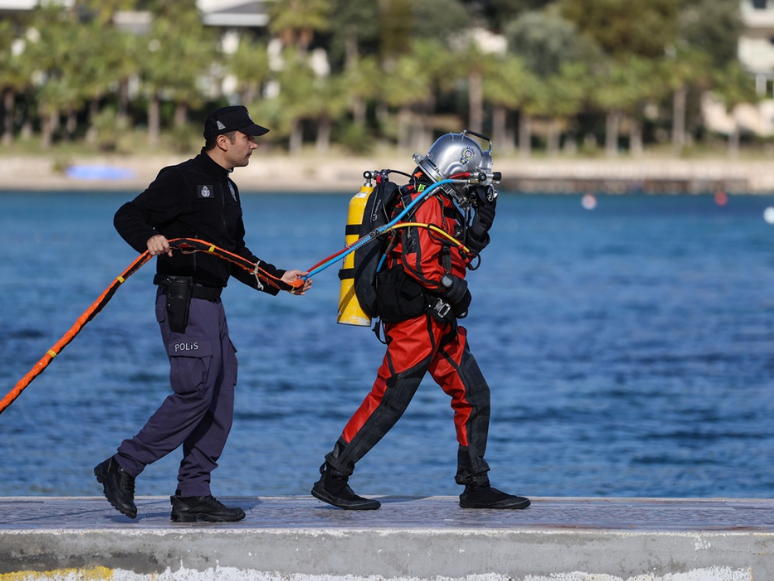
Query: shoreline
(310, 174)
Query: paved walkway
(289, 512)
(298, 538)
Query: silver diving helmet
(453, 155)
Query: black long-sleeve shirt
(194, 199)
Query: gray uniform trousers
(199, 414)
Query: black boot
(485, 496)
(117, 485)
(209, 508)
(333, 489)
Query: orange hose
(181, 244)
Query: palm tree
(296, 21)
(409, 87)
(684, 68)
(177, 54)
(566, 94)
(14, 75)
(328, 103)
(250, 66)
(361, 82)
(506, 88)
(441, 67)
(54, 51)
(621, 90)
(294, 102)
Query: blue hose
(370, 237)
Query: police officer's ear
(222, 141)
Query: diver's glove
(478, 234)
(484, 218)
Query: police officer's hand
(291, 276)
(158, 244)
(484, 218)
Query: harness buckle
(441, 308)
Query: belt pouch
(398, 298)
(179, 292)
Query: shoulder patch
(205, 191)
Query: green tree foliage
(296, 21)
(626, 27)
(545, 40)
(250, 66)
(713, 27)
(357, 25)
(495, 13)
(406, 70)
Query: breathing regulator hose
(373, 235)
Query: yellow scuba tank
(350, 312)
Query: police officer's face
(238, 151)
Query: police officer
(420, 297)
(194, 199)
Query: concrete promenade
(310, 173)
(298, 538)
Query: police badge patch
(204, 191)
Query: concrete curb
(300, 538)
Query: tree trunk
(181, 114)
(323, 135)
(123, 102)
(612, 124)
(296, 137)
(510, 140)
(635, 139)
(426, 139)
(404, 129)
(50, 125)
(525, 134)
(554, 133)
(154, 120)
(499, 134)
(678, 119)
(72, 123)
(91, 132)
(8, 99)
(733, 140)
(358, 112)
(351, 52)
(476, 102)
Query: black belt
(208, 293)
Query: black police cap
(227, 119)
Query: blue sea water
(630, 352)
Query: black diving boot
(333, 489)
(207, 508)
(485, 496)
(117, 485)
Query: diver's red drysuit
(413, 296)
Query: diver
(421, 294)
